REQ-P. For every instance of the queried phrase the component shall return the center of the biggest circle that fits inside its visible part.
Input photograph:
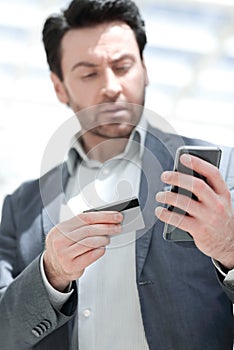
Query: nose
(112, 85)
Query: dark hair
(87, 13)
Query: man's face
(102, 69)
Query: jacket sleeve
(227, 171)
(27, 317)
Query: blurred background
(190, 59)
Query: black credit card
(130, 208)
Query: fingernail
(159, 196)
(158, 211)
(165, 175)
(118, 217)
(186, 159)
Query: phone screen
(209, 154)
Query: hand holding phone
(209, 154)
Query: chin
(114, 130)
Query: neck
(102, 149)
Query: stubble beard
(112, 130)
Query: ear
(146, 73)
(59, 88)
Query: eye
(123, 68)
(89, 75)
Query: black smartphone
(209, 154)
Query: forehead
(107, 39)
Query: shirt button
(86, 313)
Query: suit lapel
(158, 156)
(50, 214)
(52, 189)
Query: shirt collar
(76, 150)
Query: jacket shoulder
(28, 196)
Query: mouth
(113, 113)
(115, 107)
(113, 110)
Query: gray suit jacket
(183, 302)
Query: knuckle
(164, 213)
(96, 253)
(106, 228)
(61, 258)
(200, 185)
(177, 220)
(57, 244)
(103, 227)
(89, 242)
(216, 172)
(187, 202)
(205, 231)
(227, 194)
(220, 207)
(87, 231)
(85, 218)
(113, 227)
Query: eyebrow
(123, 57)
(84, 64)
(92, 65)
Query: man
(77, 283)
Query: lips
(112, 113)
(113, 116)
(112, 107)
(113, 110)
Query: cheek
(134, 85)
(83, 95)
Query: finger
(81, 262)
(92, 230)
(209, 171)
(86, 245)
(185, 203)
(90, 218)
(182, 221)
